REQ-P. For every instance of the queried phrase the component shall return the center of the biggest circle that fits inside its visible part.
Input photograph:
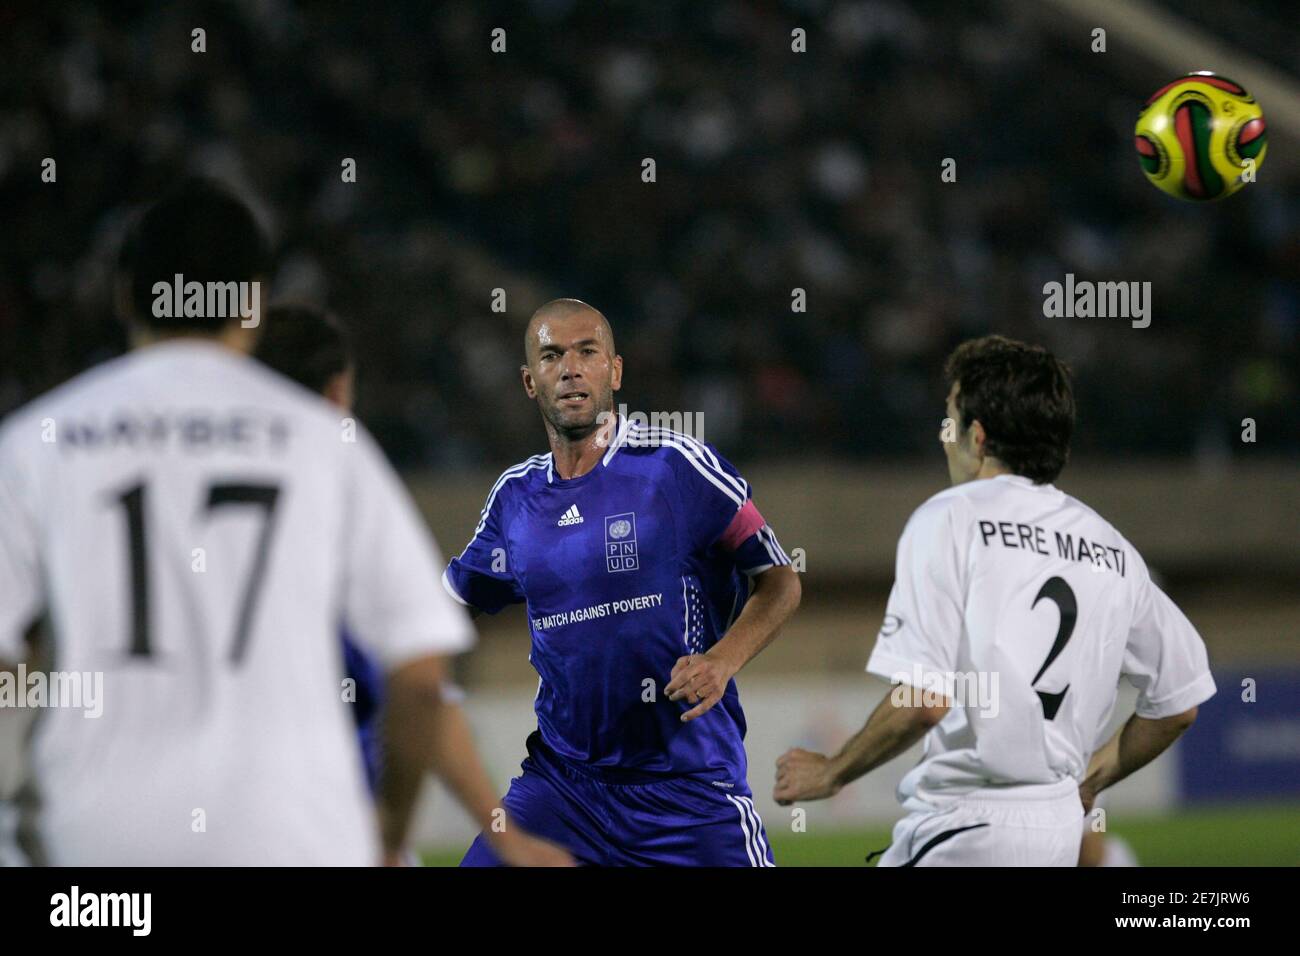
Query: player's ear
(616, 379)
(977, 437)
(526, 374)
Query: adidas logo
(570, 517)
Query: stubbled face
(572, 371)
(965, 454)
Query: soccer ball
(1195, 136)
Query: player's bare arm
(426, 731)
(411, 735)
(889, 731)
(702, 679)
(1134, 746)
(457, 763)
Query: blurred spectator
(775, 171)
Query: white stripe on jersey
(773, 546)
(514, 471)
(686, 618)
(778, 557)
(760, 840)
(744, 825)
(620, 434)
(710, 474)
(701, 449)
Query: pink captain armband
(743, 526)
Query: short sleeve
(481, 576)
(394, 606)
(923, 619)
(1164, 657)
(21, 589)
(720, 510)
(751, 542)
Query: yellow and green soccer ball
(1195, 136)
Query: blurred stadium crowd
(775, 170)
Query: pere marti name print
(1034, 538)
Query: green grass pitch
(1245, 835)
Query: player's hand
(698, 679)
(516, 848)
(803, 775)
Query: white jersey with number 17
(1026, 607)
(198, 530)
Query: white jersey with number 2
(1030, 607)
(199, 530)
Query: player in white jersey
(195, 529)
(1015, 611)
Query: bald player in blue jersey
(650, 579)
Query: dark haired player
(1004, 577)
(310, 346)
(650, 579)
(193, 528)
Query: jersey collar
(621, 428)
(1023, 482)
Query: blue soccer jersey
(624, 569)
(369, 688)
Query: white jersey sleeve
(923, 620)
(1164, 657)
(21, 596)
(395, 607)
